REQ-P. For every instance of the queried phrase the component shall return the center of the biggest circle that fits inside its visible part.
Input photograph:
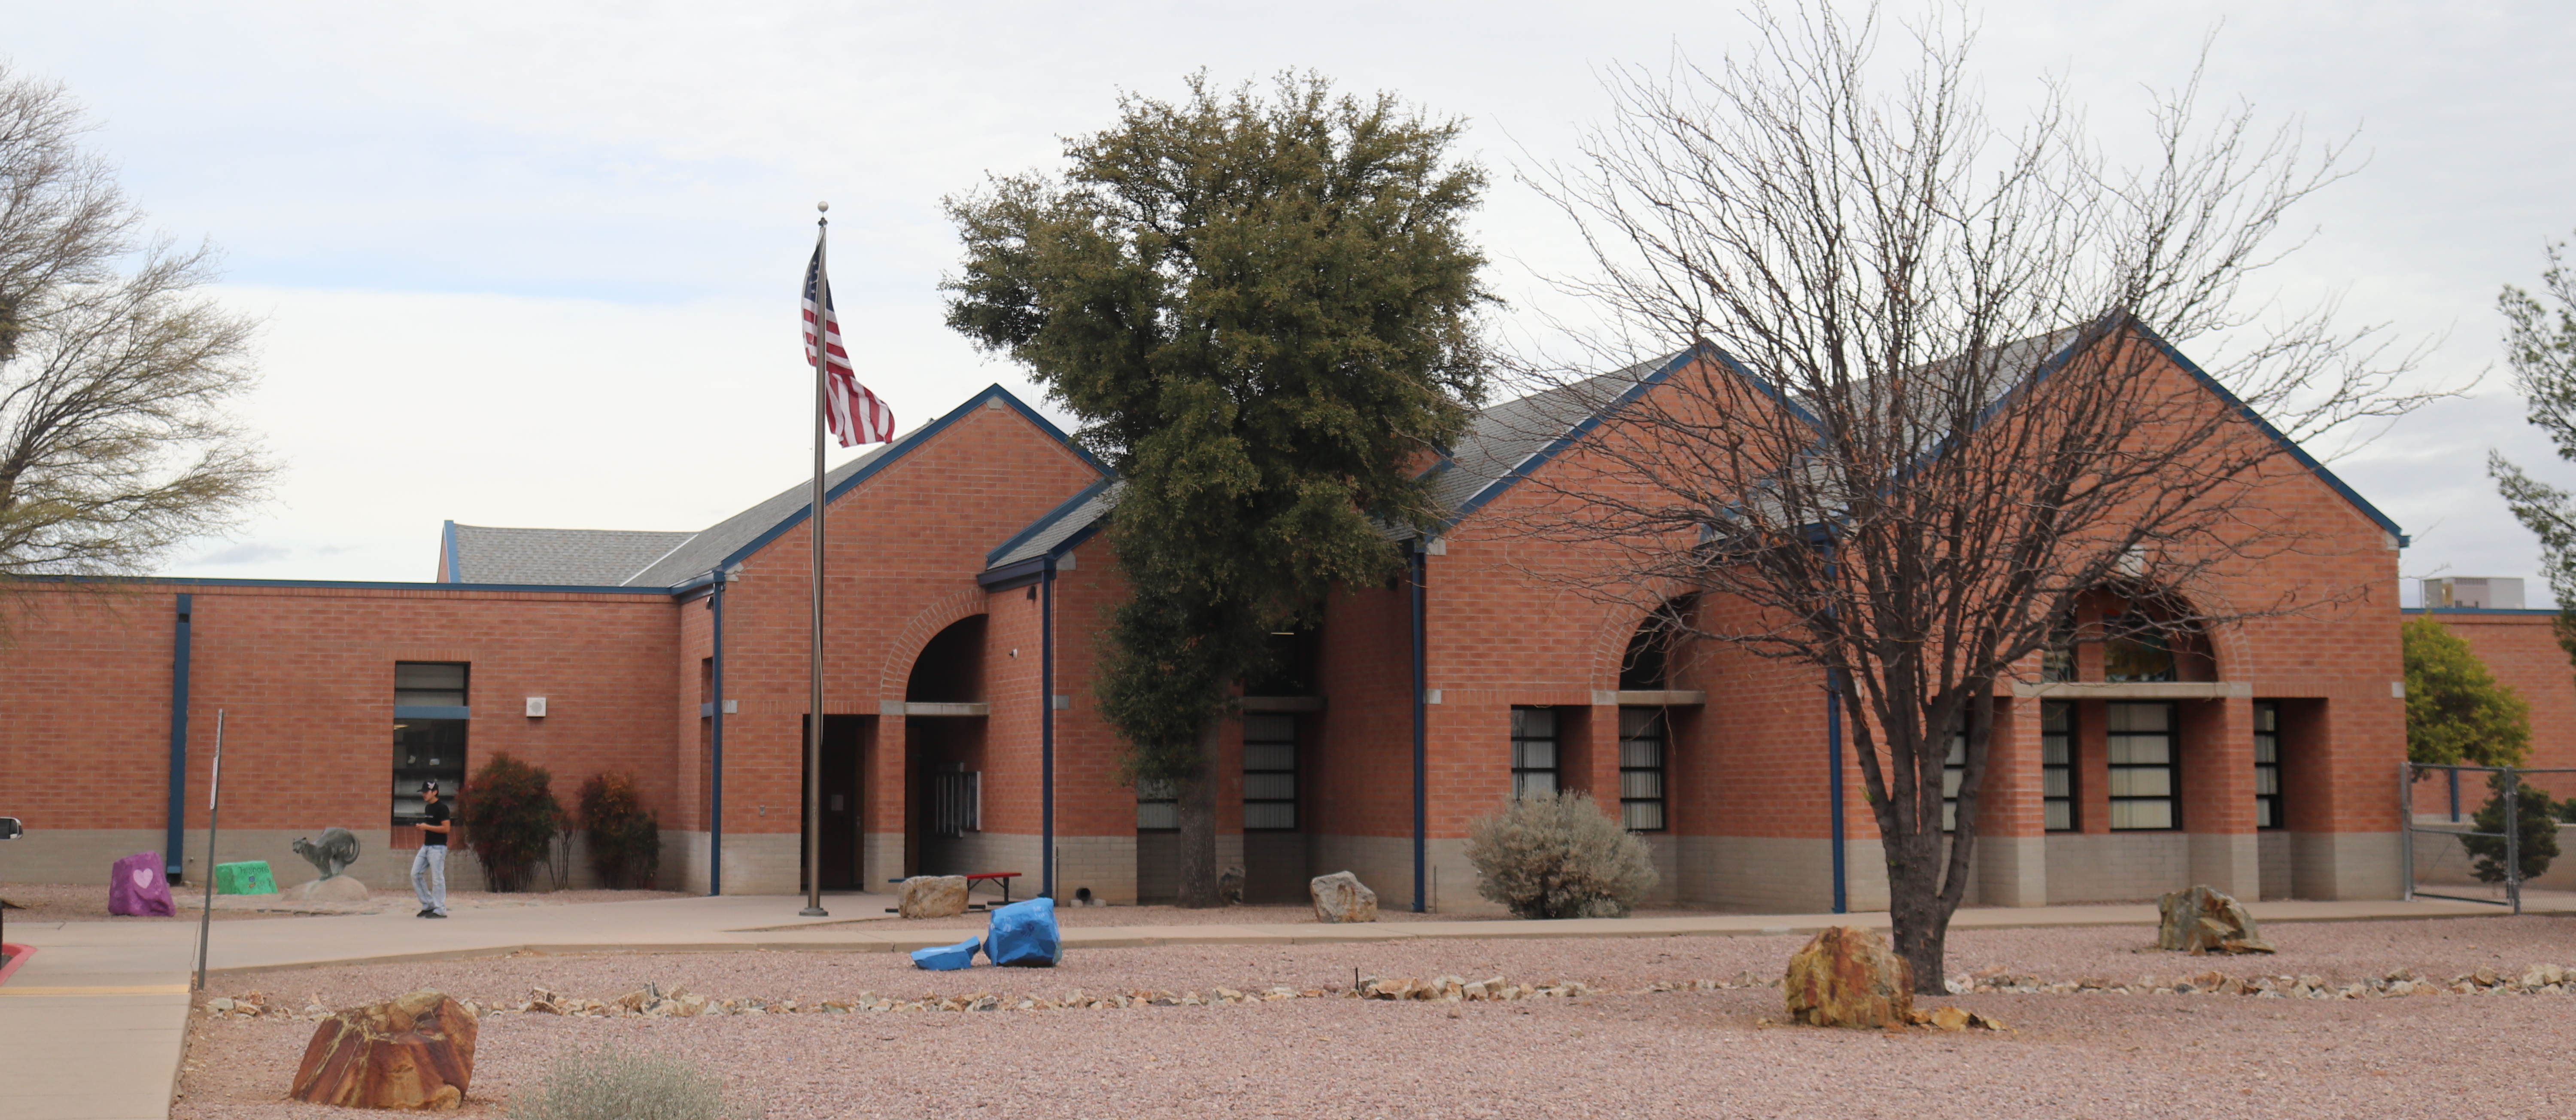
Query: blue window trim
(433, 711)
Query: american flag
(856, 415)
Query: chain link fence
(2468, 825)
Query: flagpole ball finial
(823, 207)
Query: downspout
(715, 736)
(1834, 778)
(1046, 730)
(175, 842)
(1421, 682)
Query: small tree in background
(625, 837)
(510, 817)
(1557, 855)
(2535, 819)
(2456, 713)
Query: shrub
(2455, 709)
(510, 817)
(2536, 818)
(1558, 856)
(604, 1084)
(625, 837)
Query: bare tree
(1931, 413)
(113, 368)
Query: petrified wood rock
(933, 896)
(2202, 920)
(1848, 977)
(414, 1051)
(1341, 897)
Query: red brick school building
(967, 588)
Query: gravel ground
(1623, 1052)
(73, 902)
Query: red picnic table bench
(971, 880)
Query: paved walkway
(92, 1027)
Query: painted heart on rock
(142, 877)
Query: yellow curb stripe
(130, 990)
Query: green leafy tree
(1262, 310)
(510, 817)
(2535, 818)
(2455, 710)
(2540, 346)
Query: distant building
(2477, 592)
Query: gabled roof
(1063, 527)
(734, 539)
(556, 557)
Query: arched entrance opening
(944, 753)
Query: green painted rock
(244, 878)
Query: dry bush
(604, 1084)
(1558, 856)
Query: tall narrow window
(2141, 754)
(1954, 774)
(2267, 764)
(957, 803)
(1641, 769)
(2057, 763)
(1269, 771)
(430, 718)
(2057, 659)
(1533, 751)
(1158, 807)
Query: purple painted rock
(1848, 977)
(138, 887)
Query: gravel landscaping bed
(1619, 1049)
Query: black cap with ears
(429, 787)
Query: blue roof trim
(1059, 513)
(1549, 451)
(2540, 611)
(354, 584)
(447, 544)
(894, 454)
(2297, 453)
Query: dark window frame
(412, 732)
(1296, 731)
(1634, 803)
(2065, 769)
(2267, 734)
(1523, 749)
(2171, 766)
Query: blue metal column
(1834, 779)
(1421, 682)
(1046, 731)
(174, 844)
(715, 737)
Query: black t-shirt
(438, 813)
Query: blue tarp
(1024, 935)
(947, 958)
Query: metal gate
(2457, 827)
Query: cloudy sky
(535, 264)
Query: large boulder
(1023, 935)
(413, 1051)
(1848, 977)
(337, 888)
(1229, 886)
(1341, 897)
(138, 887)
(2202, 920)
(933, 896)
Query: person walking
(429, 864)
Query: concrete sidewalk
(92, 1028)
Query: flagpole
(814, 657)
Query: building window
(1533, 751)
(1158, 807)
(2137, 650)
(2267, 764)
(2057, 763)
(2141, 749)
(1641, 769)
(1269, 772)
(2057, 658)
(957, 802)
(429, 740)
(1954, 773)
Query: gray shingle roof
(1078, 513)
(710, 546)
(557, 557)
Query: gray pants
(429, 877)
